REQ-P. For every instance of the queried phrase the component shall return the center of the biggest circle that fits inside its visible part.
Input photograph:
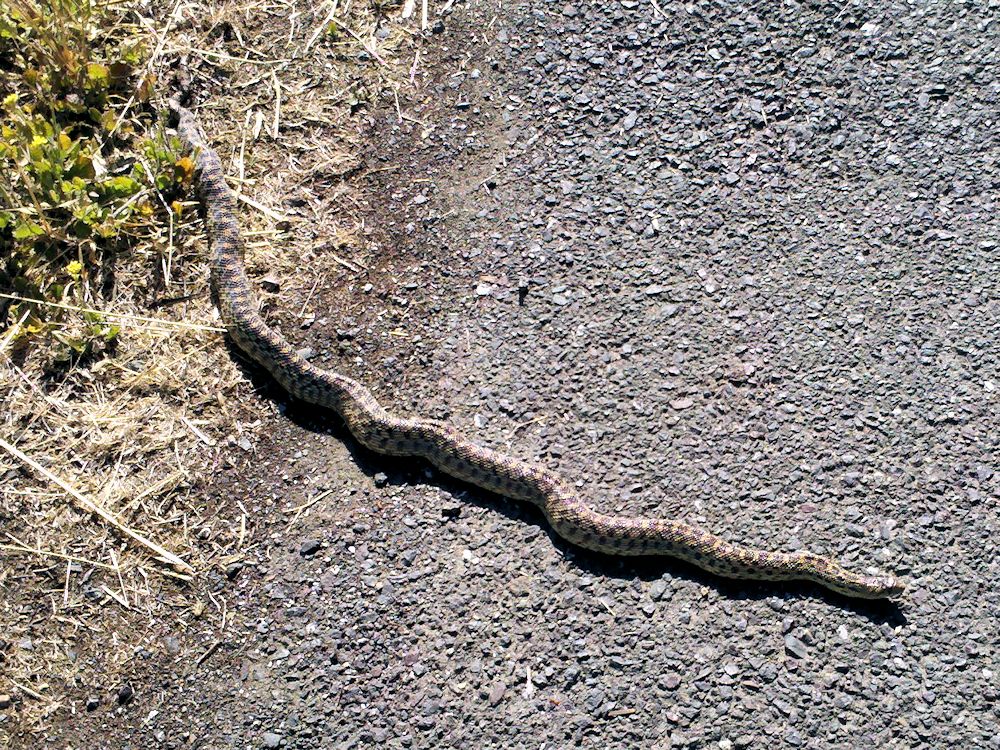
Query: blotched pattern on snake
(383, 432)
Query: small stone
(306, 352)
(570, 11)
(594, 700)
(270, 283)
(497, 692)
(795, 647)
(484, 290)
(172, 644)
(657, 590)
(670, 681)
(5, 701)
(681, 403)
(125, 695)
(381, 479)
(271, 739)
(310, 547)
(93, 702)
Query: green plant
(78, 183)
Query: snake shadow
(411, 471)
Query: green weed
(79, 182)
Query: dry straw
(90, 506)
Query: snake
(381, 431)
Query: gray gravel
(732, 263)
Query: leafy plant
(77, 183)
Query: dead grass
(104, 535)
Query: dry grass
(104, 535)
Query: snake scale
(383, 432)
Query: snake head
(884, 587)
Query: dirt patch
(87, 612)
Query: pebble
(497, 693)
(795, 647)
(310, 547)
(658, 590)
(670, 681)
(271, 739)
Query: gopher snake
(441, 445)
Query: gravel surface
(732, 263)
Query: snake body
(383, 432)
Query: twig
(349, 265)
(271, 214)
(319, 29)
(211, 650)
(277, 104)
(121, 581)
(92, 507)
(522, 425)
(198, 433)
(243, 152)
(308, 298)
(123, 316)
(115, 596)
(28, 690)
(12, 333)
(25, 549)
(230, 58)
(413, 68)
(298, 510)
(370, 50)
